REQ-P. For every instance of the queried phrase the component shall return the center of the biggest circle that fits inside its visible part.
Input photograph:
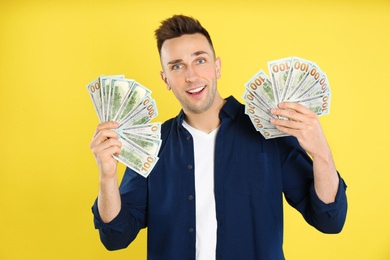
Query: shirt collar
(229, 110)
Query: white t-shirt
(206, 221)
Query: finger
(289, 131)
(108, 144)
(117, 153)
(102, 136)
(299, 108)
(106, 125)
(291, 114)
(107, 153)
(288, 123)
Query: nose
(191, 74)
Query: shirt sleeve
(124, 228)
(298, 187)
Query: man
(216, 192)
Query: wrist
(322, 153)
(324, 157)
(105, 179)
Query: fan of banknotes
(292, 79)
(127, 102)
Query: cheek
(208, 73)
(175, 81)
(174, 77)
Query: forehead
(184, 46)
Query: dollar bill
(321, 86)
(268, 133)
(312, 78)
(95, 93)
(148, 145)
(152, 130)
(298, 72)
(260, 85)
(120, 89)
(136, 159)
(279, 70)
(124, 132)
(144, 116)
(137, 108)
(260, 123)
(320, 105)
(130, 104)
(252, 99)
(133, 101)
(253, 110)
(292, 79)
(105, 92)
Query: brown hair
(178, 25)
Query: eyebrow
(197, 53)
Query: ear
(218, 67)
(164, 78)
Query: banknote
(152, 130)
(95, 94)
(321, 86)
(320, 105)
(279, 70)
(252, 99)
(267, 132)
(136, 108)
(136, 159)
(129, 103)
(143, 116)
(147, 144)
(119, 89)
(291, 79)
(312, 77)
(298, 72)
(253, 110)
(105, 92)
(133, 101)
(261, 86)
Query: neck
(208, 120)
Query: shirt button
(189, 167)
(190, 197)
(188, 137)
(191, 229)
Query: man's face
(191, 71)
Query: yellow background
(49, 51)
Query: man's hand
(305, 126)
(104, 144)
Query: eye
(176, 67)
(201, 61)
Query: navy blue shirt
(251, 175)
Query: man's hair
(177, 26)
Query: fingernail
(116, 124)
(273, 120)
(281, 104)
(273, 110)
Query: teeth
(196, 90)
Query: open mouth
(196, 91)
